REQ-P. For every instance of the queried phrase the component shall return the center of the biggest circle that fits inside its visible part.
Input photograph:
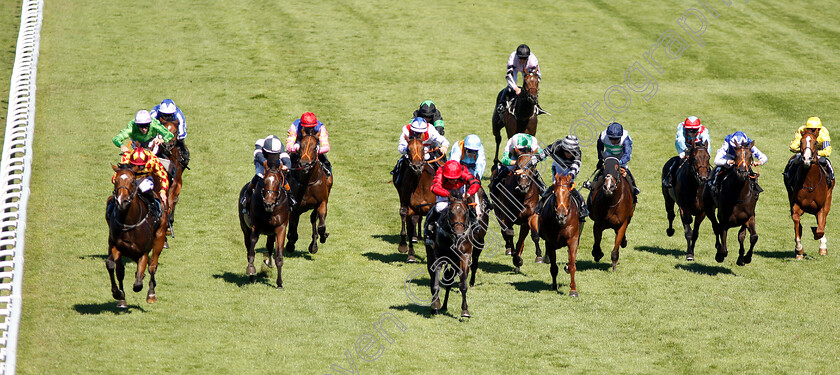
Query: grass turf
(242, 70)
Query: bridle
(277, 191)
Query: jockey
(517, 145)
(431, 139)
(566, 156)
(431, 114)
(823, 146)
(149, 171)
(269, 149)
(470, 153)
(615, 142)
(144, 131)
(725, 157)
(167, 111)
(308, 123)
(451, 178)
(520, 61)
(690, 130)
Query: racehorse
(180, 161)
(313, 192)
(735, 205)
(687, 192)
(559, 225)
(134, 232)
(515, 198)
(478, 231)
(524, 116)
(809, 191)
(452, 252)
(268, 214)
(416, 197)
(611, 206)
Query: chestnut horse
(735, 205)
(312, 193)
(132, 232)
(452, 252)
(611, 206)
(515, 197)
(268, 214)
(524, 116)
(559, 226)
(687, 193)
(180, 161)
(416, 197)
(809, 191)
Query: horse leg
(465, 270)
(551, 254)
(111, 264)
(313, 219)
(294, 219)
(534, 225)
(721, 251)
(597, 232)
(520, 247)
(435, 284)
(280, 235)
(141, 273)
(742, 234)
(322, 222)
(403, 247)
(474, 265)
(498, 136)
(753, 239)
(689, 234)
(796, 215)
(669, 210)
(694, 234)
(572, 243)
(820, 232)
(251, 239)
(120, 270)
(269, 248)
(619, 238)
(412, 232)
(151, 297)
(507, 235)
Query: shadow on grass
(660, 251)
(393, 239)
(390, 258)
(94, 256)
(703, 269)
(107, 307)
(776, 254)
(533, 286)
(423, 311)
(241, 279)
(493, 267)
(583, 265)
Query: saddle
(154, 207)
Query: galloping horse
(515, 198)
(313, 193)
(611, 206)
(132, 232)
(416, 197)
(524, 116)
(687, 192)
(267, 215)
(809, 190)
(180, 162)
(735, 204)
(453, 248)
(478, 231)
(559, 225)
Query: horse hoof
(719, 258)
(313, 249)
(800, 256)
(823, 251)
(465, 314)
(624, 242)
(251, 270)
(689, 257)
(518, 262)
(323, 237)
(165, 244)
(740, 262)
(435, 306)
(411, 259)
(268, 263)
(279, 287)
(516, 270)
(566, 268)
(597, 255)
(289, 248)
(508, 252)
(414, 239)
(121, 304)
(538, 260)
(151, 299)
(573, 293)
(403, 248)
(137, 287)
(670, 232)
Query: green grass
(242, 70)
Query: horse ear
(265, 164)
(114, 167)
(750, 146)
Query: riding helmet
(523, 51)
(272, 145)
(691, 123)
(138, 157)
(814, 122)
(427, 109)
(167, 106)
(739, 139)
(452, 170)
(419, 125)
(142, 117)
(308, 120)
(472, 142)
(615, 130)
(570, 143)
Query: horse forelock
(308, 146)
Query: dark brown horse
(313, 192)
(524, 116)
(559, 226)
(735, 205)
(180, 161)
(452, 253)
(687, 193)
(268, 215)
(478, 231)
(132, 232)
(809, 191)
(515, 198)
(611, 206)
(416, 197)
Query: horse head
(563, 186)
(743, 160)
(125, 185)
(531, 86)
(416, 155)
(525, 172)
(808, 146)
(308, 151)
(612, 175)
(273, 185)
(699, 160)
(171, 124)
(458, 215)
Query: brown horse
(735, 205)
(687, 193)
(180, 161)
(416, 197)
(611, 206)
(313, 192)
(478, 231)
(452, 252)
(559, 226)
(524, 116)
(809, 191)
(132, 232)
(515, 198)
(268, 215)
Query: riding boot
(828, 167)
(246, 199)
(431, 226)
(632, 179)
(588, 183)
(584, 211)
(668, 181)
(543, 199)
(326, 164)
(185, 153)
(397, 172)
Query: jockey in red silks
(451, 178)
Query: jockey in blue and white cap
(470, 153)
(426, 133)
(167, 110)
(268, 150)
(566, 157)
(725, 157)
(615, 142)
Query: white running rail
(14, 179)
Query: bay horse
(478, 231)
(515, 197)
(133, 232)
(452, 252)
(809, 191)
(180, 161)
(735, 205)
(268, 215)
(312, 193)
(687, 192)
(525, 112)
(416, 197)
(559, 225)
(611, 206)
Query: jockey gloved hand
(534, 160)
(730, 162)
(124, 149)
